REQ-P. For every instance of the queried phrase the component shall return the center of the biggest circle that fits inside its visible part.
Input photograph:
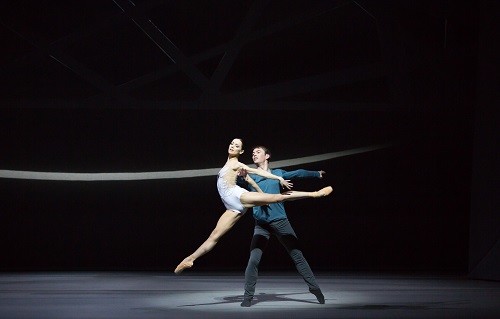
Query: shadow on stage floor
(216, 295)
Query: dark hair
(238, 138)
(265, 149)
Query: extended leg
(251, 199)
(305, 271)
(288, 238)
(225, 223)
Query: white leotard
(230, 194)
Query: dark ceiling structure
(336, 54)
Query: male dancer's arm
(302, 173)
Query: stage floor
(278, 295)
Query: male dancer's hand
(285, 183)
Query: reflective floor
(279, 295)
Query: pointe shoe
(183, 265)
(324, 191)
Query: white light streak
(64, 176)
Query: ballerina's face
(236, 147)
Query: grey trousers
(287, 237)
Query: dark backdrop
(400, 208)
(144, 86)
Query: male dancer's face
(259, 156)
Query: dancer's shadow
(262, 297)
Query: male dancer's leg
(287, 237)
(257, 247)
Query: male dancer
(272, 219)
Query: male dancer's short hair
(265, 149)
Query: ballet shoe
(324, 191)
(183, 265)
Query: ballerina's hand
(242, 172)
(286, 183)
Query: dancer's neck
(264, 166)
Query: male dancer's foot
(247, 302)
(186, 263)
(319, 295)
(324, 192)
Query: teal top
(275, 211)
